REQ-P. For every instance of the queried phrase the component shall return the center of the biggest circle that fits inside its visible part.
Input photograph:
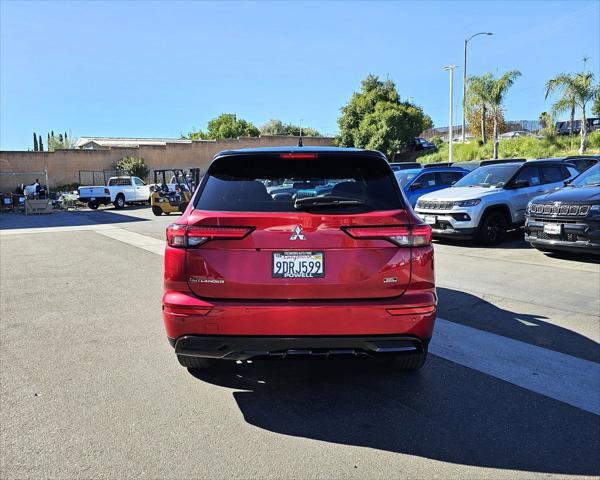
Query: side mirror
(416, 186)
(521, 184)
(567, 182)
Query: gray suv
(491, 200)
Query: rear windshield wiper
(326, 202)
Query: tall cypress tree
(35, 144)
(65, 137)
(60, 138)
(41, 145)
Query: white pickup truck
(119, 191)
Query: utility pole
(465, 81)
(450, 68)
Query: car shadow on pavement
(11, 221)
(445, 412)
(474, 311)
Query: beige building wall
(63, 166)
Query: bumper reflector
(411, 311)
(186, 311)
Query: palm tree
(478, 89)
(566, 102)
(496, 95)
(581, 88)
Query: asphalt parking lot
(90, 388)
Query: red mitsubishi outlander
(299, 251)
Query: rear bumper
(411, 315)
(242, 348)
(99, 200)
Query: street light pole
(450, 68)
(464, 95)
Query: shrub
(133, 166)
(594, 140)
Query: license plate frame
(553, 228)
(296, 257)
(430, 219)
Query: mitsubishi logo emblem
(298, 235)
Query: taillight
(401, 235)
(107, 192)
(182, 236)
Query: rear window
(119, 182)
(339, 184)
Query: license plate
(298, 265)
(93, 198)
(430, 219)
(553, 228)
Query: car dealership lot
(91, 388)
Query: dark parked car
(564, 128)
(580, 162)
(569, 218)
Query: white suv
(491, 199)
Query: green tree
(375, 118)
(35, 143)
(497, 94)
(581, 88)
(226, 125)
(273, 127)
(477, 103)
(547, 124)
(61, 142)
(294, 130)
(40, 144)
(566, 102)
(277, 127)
(133, 166)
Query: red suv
(299, 251)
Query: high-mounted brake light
(298, 156)
(401, 235)
(182, 236)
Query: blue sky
(162, 68)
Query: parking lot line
(553, 374)
(70, 228)
(138, 240)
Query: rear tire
(119, 202)
(407, 363)
(157, 211)
(93, 205)
(493, 229)
(199, 363)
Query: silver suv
(491, 200)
